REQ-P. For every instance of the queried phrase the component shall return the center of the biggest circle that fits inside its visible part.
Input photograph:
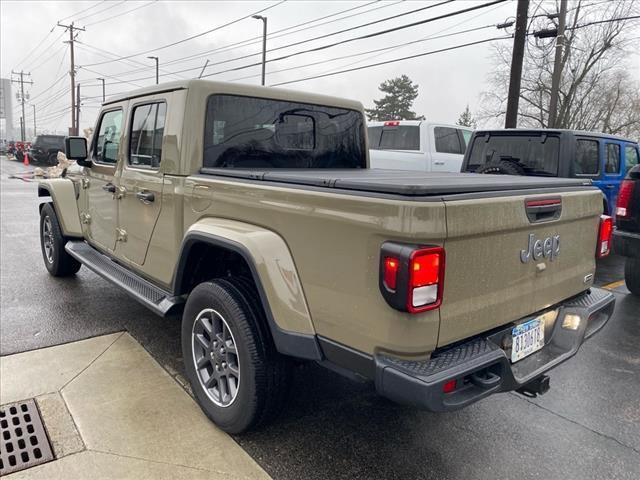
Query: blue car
(605, 159)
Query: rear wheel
(58, 262)
(238, 378)
(52, 159)
(632, 275)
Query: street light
(264, 43)
(157, 76)
(102, 80)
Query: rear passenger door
(447, 149)
(141, 179)
(612, 173)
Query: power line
(121, 14)
(275, 34)
(108, 7)
(188, 38)
(395, 60)
(324, 47)
(82, 11)
(392, 47)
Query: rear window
(538, 155)
(398, 137)
(246, 132)
(612, 164)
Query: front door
(141, 180)
(102, 181)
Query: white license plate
(528, 337)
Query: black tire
(58, 262)
(503, 167)
(632, 275)
(262, 383)
(52, 159)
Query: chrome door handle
(145, 197)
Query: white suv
(417, 145)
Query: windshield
(246, 132)
(537, 154)
(399, 137)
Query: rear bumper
(626, 244)
(481, 367)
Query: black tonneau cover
(399, 182)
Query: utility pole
(102, 80)
(511, 119)
(22, 81)
(77, 125)
(264, 44)
(557, 66)
(34, 120)
(157, 68)
(72, 73)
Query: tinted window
(447, 140)
(245, 132)
(108, 138)
(612, 164)
(147, 128)
(586, 161)
(400, 137)
(630, 157)
(537, 154)
(49, 141)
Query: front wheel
(58, 262)
(632, 275)
(237, 377)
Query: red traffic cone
(25, 158)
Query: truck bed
(396, 182)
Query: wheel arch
(63, 197)
(227, 247)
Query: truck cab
(604, 159)
(417, 145)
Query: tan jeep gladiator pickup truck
(252, 211)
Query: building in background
(6, 110)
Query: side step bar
(156, 299)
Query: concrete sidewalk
(112, 412)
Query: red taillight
(426, 272)
(391, 272)
(393, 123)
(604, 236)
(450, 386)
(623, 209)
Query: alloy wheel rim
(47, 239)
(215, 357)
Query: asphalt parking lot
(587, 426)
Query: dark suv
(626, 240)
(604, 159)
(45, 148)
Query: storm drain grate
(23, 439)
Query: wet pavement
(587, 426)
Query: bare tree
(596, 91)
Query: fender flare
(63, 195)
(221, 233)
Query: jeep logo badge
(547, 248)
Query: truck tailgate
(491, 276)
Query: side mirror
(75, 148)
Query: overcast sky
(448, 81)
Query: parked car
(252, 211)
(626, 237)
(45, 148)
(417, 145)
(605, 159)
